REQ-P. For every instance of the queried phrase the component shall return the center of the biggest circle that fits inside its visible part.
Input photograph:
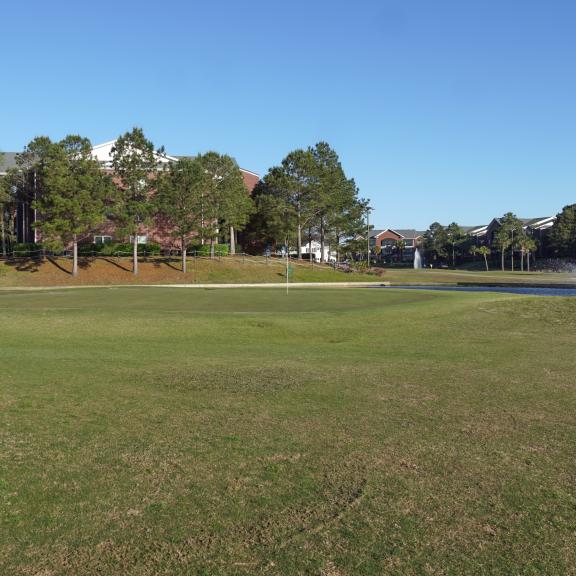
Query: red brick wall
(250, 180)
(159, 231)
(387, 235)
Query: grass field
(238, 270)
(334, 432)
(108, 271)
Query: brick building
(157, 232)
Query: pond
(531, 290)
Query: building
(313, 250)
(396, 244)
(538, 228)
(157, 232)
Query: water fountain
(417, 259)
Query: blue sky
(440, 109)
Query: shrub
(117, 249)
(126, 249)
(204, 249)
(30, 249)
(90, 249)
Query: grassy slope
(240, 270)
(246, 432)
(162, 271)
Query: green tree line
(197, 199)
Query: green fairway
(150, 431)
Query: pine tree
(563, 232)
(135, 164)
(225, 201)
(74, 192)
(179, 200)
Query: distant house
(388, 241)
(477, 232)
(314, 248)
(538, 228)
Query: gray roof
(7, 160)
(467, 229)
(409, 233)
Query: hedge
(204, 249)
(115, 248)
(28, 249)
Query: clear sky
(440, 109)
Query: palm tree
(527, 246)
(482, 251)
(400, 245)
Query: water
(417, 259)
(530, 290)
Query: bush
(204, 249)
(90, 249)
(30, 249)
(118, 249)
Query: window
(102, 239)
(142, 239)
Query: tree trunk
(184, 254)
(453, 256)
(135, 256)
(486, 262)
(3, 233)
(212, 250)
(528, 260)
(75, 257)
(522, 261)
(299, 232)
(310, 255)
(503, 255)
(322, 259)
(512, 258)
(232, 240)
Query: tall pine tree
(74, 193)
(135, 164)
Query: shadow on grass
(167, 261)
(25, 264)
(116, 263)
(58, 265)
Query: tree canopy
(135, 163)
(563, 233)
(308, 195)
(73, 196)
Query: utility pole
(368, 235)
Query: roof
(241, 169)
(409, 233)
(7, 160)
(540, 223)
(101, 153)
(475, 230)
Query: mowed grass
(240, 270)
(339, 432)
(224, 270)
